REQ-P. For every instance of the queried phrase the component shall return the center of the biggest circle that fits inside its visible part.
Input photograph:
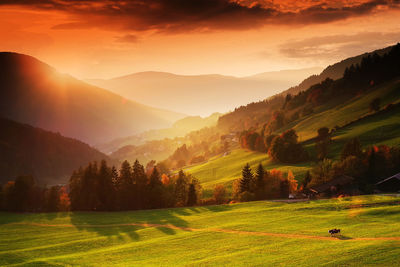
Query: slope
(334, 71)
(49, 157)
(34, 93)
(179, 129)
(352, 117)
(246, 234)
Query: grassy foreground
(246, 234)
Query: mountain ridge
(200, 93)
(33, 92)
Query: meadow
(378, 129)
(256, 233)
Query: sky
(109, 38)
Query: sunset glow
(112, 38)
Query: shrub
(246, 196)
(219, 194)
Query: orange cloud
(201, 15)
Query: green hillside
(338, 113)
(255, 233)
(225, 169)
(373, 129)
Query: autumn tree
(219, 194)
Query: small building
(391, 184)
(340, 185)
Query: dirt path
(239, 232)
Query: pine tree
(181, 189)
(260, 176)
(246, 180)
(105, 188)
(192, 196)
(259, 182)
(125, 186)
(139, 180)
(155, 187)
(53, 199)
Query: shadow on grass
(218, 208)
(130, 222)
(343, 237)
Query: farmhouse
(391, 184)
(341, 184)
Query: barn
(340, 185)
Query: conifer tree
(181, 189)
(105, 188)
(259, 182)
(125, 190)
(155, 192)
(192, 196)
(246, 180)
(139, 180)
(259, 177)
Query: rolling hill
(200, 94)
(258, 233)
(34, 93)
(49, 157)
(334, 71)
(179, 129)
(349, 114)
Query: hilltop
(32, 92)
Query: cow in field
(334, 231)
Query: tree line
(24, 195)
(263, 184)
(283, 148)
(367, 166)
(103, 188)
(99, 187)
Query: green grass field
(245, 234)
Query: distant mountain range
(32, 92)
(200, 94)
